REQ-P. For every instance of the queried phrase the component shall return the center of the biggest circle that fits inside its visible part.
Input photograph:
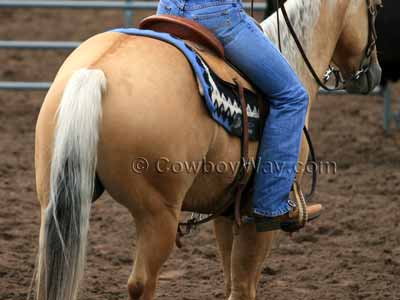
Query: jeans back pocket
(216, 18)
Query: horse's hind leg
(156, 233)
(223, 228)
(248, 254)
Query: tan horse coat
(152, 109)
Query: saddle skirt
(215, 76)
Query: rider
(248, 48)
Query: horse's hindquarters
(151, 112)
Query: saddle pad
(220, 97)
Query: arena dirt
(353, 252)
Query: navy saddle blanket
(220, 97)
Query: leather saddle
(185, 29)
(203, 41)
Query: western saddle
(185, 29)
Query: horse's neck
(317, 25)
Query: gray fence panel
(79, 4)
(38, 45)
(94, 4)
(127, 6)
(19, 85)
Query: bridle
(372, 37)
(365, 62)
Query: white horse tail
(65, 224)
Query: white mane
(303, 15)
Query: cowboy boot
(287, 222)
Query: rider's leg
(257, 57)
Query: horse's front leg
(224, 235)
(248, 253)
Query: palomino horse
(118, 98)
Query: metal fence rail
(96, 4)
(78, 4)
(127, 6)
(24, 86)
(38, 45)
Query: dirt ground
(353, 252)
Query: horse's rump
(151, 109)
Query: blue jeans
(254, 54)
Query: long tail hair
(65, 222)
